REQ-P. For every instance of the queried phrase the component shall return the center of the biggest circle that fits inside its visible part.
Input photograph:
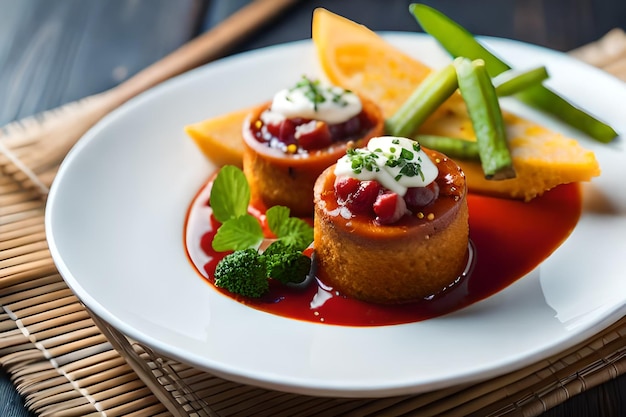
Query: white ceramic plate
(115, 221)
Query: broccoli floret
(288, 267)
(285, 263)
(242, 272)
(246, 272)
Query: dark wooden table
(53, 52)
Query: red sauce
(510, 238)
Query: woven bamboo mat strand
(527, 392)
(68, 362)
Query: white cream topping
(312, 100)
(396, 163)
(269, 117)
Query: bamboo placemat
(68, 362)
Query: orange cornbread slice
(354, 57)
(219, 138)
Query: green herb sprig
(242, 233)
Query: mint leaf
(230, 197)
(297, 233)
(230, 194)
(276, 217)
(240, 233)
(292, 231)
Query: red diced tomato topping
(313, 135)
(272, 128)
(389, 208)
(362, 200)
(345, 187)
(287, 131)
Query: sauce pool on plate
(509, 238)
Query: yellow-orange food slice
(354, 57)
(219, 138)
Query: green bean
(511, 82)
(459, 42)
(484, 111)
(452, 147)
(426, 98)
(548, 101)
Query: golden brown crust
(288, 180)
(389, 264)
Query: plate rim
(280, 383)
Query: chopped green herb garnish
(365, 160)
(315, 92)
(406, 154)
(361, 159)
(404, 161)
